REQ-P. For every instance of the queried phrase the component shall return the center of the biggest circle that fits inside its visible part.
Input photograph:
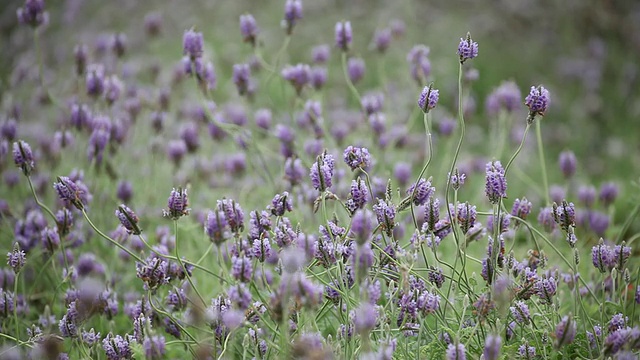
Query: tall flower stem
(352, 88)
(184, 268)
(429, 150)
(122, 247)
(543, 167)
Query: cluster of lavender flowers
(273, 217)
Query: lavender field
(326, 179)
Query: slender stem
(123, 248)
(15, 305)
(429, 149)
(184, 268)
(543, 167)
(353, 89)
(513, 157)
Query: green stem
(429, 149)
(543, 167)
(184, 268)
(132, 254)
(353, 89)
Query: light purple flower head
(608, 193)
(428, 98)
(537, 101)
(567, 161)
(23, 157)
(456, 352)
(321, 172)
(355, 69)
(496, 183)
(492, 347)
(298, 75)
(565, 331)
(381, 40)
(507, 96)
(292, 13)
(357, 158)
(33, 14)
(320, 53)
(467, 49)
(242, 78)
(248, 28)
(344, 35)
(128, 219)
(177, 204)
(69, 192)
(192, 44)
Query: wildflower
(357, 158)
(50, 239)
(496, 183)
(521, 208)
(520, 312)
(69, 192)
(241, 268)
(248, 28)
(95, 79)
(242, 78)
(16, 258)
(178, 204)
(321, 172)
(381, 40)
(23, 157)
(456, 352)
(421, 192)
(546, 289)
(154, 347)
(621, 254)
(419, 63)
(565, 215)
(492, 347)
(506, 96)
(68, 325)
(537, 101)
(343, 35)
(436, 277)
(117, 347)
(263, 118)
(298, 75)
(466, 215)
(428, 98)
(365, 318)
(601, 256)
(362, 225)
(233, 213)
(567, 161)
(546, 219)
(154, 274)
(292, 13)
(128, 219)
(467, 49)
(618, 321)
(90, 337)
(320, 53)
(33, 14)
(280, 204)
(431, 214)
(355, 69)
(358, 196)
(456, 179)
(608, 193)
(527, 352)
(565, 332)
(385, 213)
(192, 44)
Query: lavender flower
(496, 183)
(431, 214)
(467, 49)
(321, 172)
(421, 192)
(456, 352)
(601, 257)
(621, 254)
(248, 28)
(385, 213)
(608, 193)
(381, 40)
(94, 81)
(546, 289)
(154, 347)
(344, 35)
(567, 161)
(16, 258)
(492, 347)
(298, 75)
(357, 158)
(419, 63)
(68, 325)
(456, 180)
(280, 204)
(154, 273)
(292, 13)
(23, 157)
(521, 208)
(117, 347)
(234, 215)
(520, 312)
(507, 96)
(242, 78)
(192, 44)
(565, 216)
(178, 204)
(537, 101)
(33, 14)
(355, 69)
(320, 53)
(527, 352)
(428, 98)
(466, 215)
(241, 268)
(565, 331)
(90, 337)
(436, 277)
(128, 219)
(69, 192)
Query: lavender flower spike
(344, 35)
(292, 13)
(248, 28)
(456, 352)
(68, 191)
(496, 183)
(23, 157)
(428, 98)
(178, 204)
(537, 101)
(467, 49)
(128, 219)
(16, 258)
(321, 172)
(192, 44)
(565, 332)
(492, 347)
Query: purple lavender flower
(546, 219)
(16, 258)
(457, 179)
(492, 347)
(587, 195)
(68, 325)
(154, 347)
(507, 96)
(321, 172)
(355, 69)
(598, 222)
(241, 268)
(95, 79)
(177, 204)
(419, 63)
(421, 192)
(456, 352)
(154, 273)
(292, 13)
(97, 144)
(466, 215)
(280, 204)
(362, 225)
(608, 193)
(537, 101)
(402, 172)
(381, 40)
(428, 98)
(320, 53)
(33, 14)
(565, 216)
(567, 161)
(234, 215)
(192, 44)
(386, 214)
(117, 347)
(50, 239)
(112, 89)
(618, 321)
(520, 312)
(545, 289)
(496, 183)
(240, 295)
(467, 49)
(90, 337)
(242, 78)
(119, 44)
(436, 277)
(527, 352)
(9, 129)
(128, 219)
(344, 35)
(318, 77)
(620, 254)
(263, 118)
(521, 208)
(365, 318)
(69, 192)
(248, 28)
(23, 157)
(357, 158)
(298, 75)
(431, 214)
(565, 332)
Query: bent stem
(184, 268)
(123, 248)
(353, 89)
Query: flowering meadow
(287, 182)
